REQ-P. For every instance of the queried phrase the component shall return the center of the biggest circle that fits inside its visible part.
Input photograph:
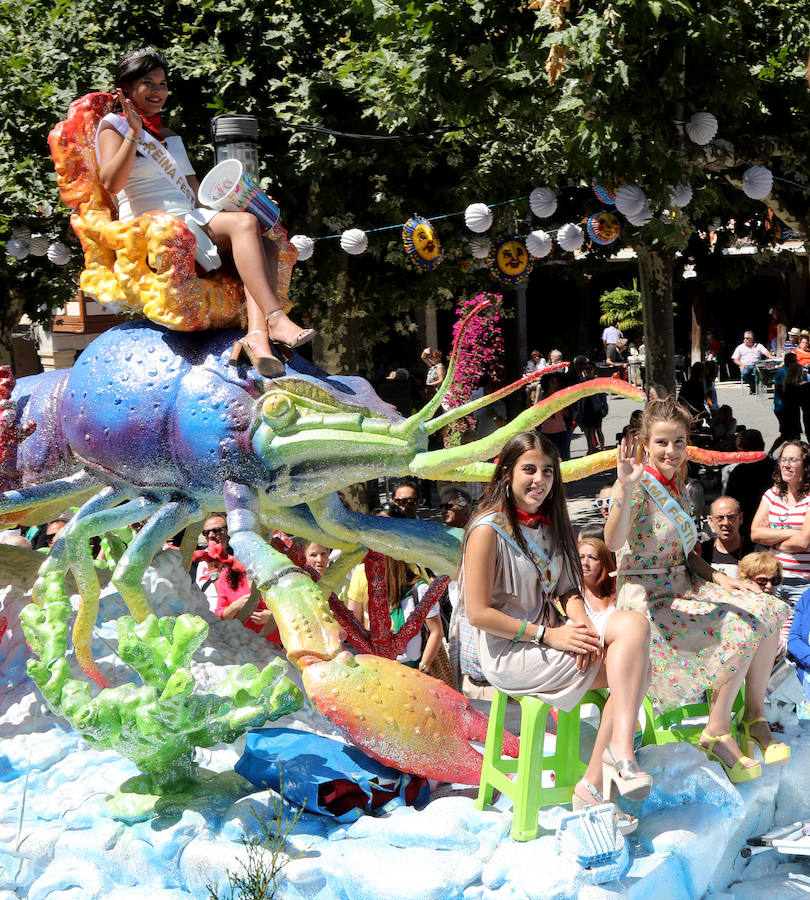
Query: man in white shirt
(747, 354)
(609, 337)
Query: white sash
(673, 510)
(545, 567)
(154, 150)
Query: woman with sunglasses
(765, 571)
(782, 512)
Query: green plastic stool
(667, 727)
(527, 793)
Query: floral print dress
(701, 633)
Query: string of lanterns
(22, 244)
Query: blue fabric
(326, 776)
(798, 645)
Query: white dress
(147, 190)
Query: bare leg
(720, 718)
(240, 234)
(756, 684)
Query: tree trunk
(10, 312)
(655, 267)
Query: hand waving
(628, 471)
(133, 119)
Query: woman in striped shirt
(778, 521)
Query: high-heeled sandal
(774, 753)
(304, 336)
(266, 366)
(630, 781)
(738, 773)
(626, 823)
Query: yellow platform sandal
(739, 772)
(774, 753)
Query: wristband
(132, 139)
(521, 632)
(538, 638)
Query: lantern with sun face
(421, 243)
(509, 260)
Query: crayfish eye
(277, 411)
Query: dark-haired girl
(519, 560)
(709, 631)
(132, 174)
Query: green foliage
(261, 874)
(622, 307)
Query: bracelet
(521, 632)
(132, 139)
(538, 638)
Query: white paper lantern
(23, 233)
(478, 217)
(630, 199)
(757, 182)
(643, 216)
(480, 248)
(542, 202)
(538, 243)
(38, 245)
(58, 253)
(304, 245)
(354, 241)
(570, 237)
(701, 127)
(680, 195)
(17, 248)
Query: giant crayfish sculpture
(154, 425)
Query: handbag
(441, 669)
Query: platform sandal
(266, 366)
(626, 823)
(304, 336)
(625, 774)
(739, 772)
(774, 753)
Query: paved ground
(751, 411)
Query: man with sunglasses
(215, 529)
(728, 547)
(406, 498)
(455, 506)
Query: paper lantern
(757, 182)
(642, 217)
(17, 248)
(630, 199)
(354, 241)
(509, 260)
(605, 194)
(480, 247)
(538, 243)
(23, 233)
(304, 245)
(421, 243)
(603, 228)
(58, 253)
(701, 127)
(542, 202)
(38, 245)
(478, 217)
(680, 195)
(570, 237)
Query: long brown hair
(780, 484)
(605, 584)
(399, 577)
(498, 498)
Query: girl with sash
(145, 167)
(521, 585)
(709, 631)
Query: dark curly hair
(779, 483)
(135, 64)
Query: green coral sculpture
(159, 724)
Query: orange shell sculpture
(144, 265)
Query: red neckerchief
(152, 122)
(215, 553)
(531, 521)
(668, 483)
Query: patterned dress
(700, 632)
